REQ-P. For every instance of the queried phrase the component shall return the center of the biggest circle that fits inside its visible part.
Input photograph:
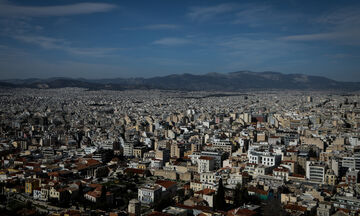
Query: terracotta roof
(95, 185)
(133, 170)
(298, 175)
(165, 184)
(202, 208)
(257, 191)
(281, 169)
(240, 212)
(344, 210)
(53, 174)
(94, 193)
(73, 212)
(288, 161)
(92, 162)
(294, 207)
(291, 150)
(206, 191)
(155, 213)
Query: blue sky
(105, 39)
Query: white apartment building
(209, 177)
(206, 164)
(315, 171)
(264, 158)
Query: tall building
(128, 149)
(351, 162)
(163, 154)
(206, 164)
(195, 147)
(177, 150)
(309, 99)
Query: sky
(108, 39)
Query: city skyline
(107, 39)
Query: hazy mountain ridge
(233, 81)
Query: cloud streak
(172, 41)
(312, 37)
(264, 15)
(206, 13)
(7, 9)
(60, 44)
(154, 27)
(250, 14)
(341, 26)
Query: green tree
(220, 203)
(103, 193)
(273, 207)
(163, 204)
(241, 195)
(28, 205)
(80, 192)
(102, 202)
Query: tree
(312, 153)
(220, 203)
(163, 204)
(28, 205)
(81, 192)
(102, 204)
(273, 207)
(103, 193)
(241, 195)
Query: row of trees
(240, 197)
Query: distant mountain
(7, 85)
(234, 81)
(61, 82)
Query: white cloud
(341, 17)
(7, 9)
(344, 36)
(310, 37)
(161, 26)
(206, 13)
(251, 14)
(154, 27)
(60, 44)
(264, 15)
(172, 41)
(341, 26)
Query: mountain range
(233, 81)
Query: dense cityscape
(72, 151)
